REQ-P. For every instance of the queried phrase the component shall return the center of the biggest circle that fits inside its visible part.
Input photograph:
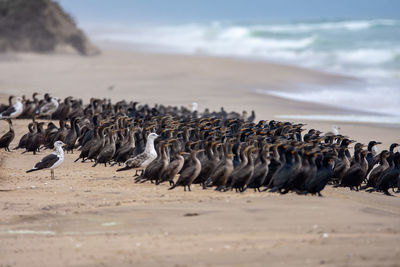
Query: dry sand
(97, 217)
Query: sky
(177, 11)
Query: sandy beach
(97, 217)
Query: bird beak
(64, 145)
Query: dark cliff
(40, 26)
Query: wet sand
(95, 216)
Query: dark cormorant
(72, 135)
(190, 173)
(357, 172)
(376, 173)
(107, 153)
(7, 138)
(391, 178)
(342, 165)
(24, 139)
(260, 169)
(283, 174)
(324, 174)
(372, 156)
(241, 178)
(172, 169)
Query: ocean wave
(391, 120)
(372, 98)
(368, 56)
(350, 25)
(215, 41)
(368, 49)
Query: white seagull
(14, 110)
(51, 161)
(334, 131)
(194, 106)
(142, 160)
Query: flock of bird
(219, 150)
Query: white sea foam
(368, 56)
(306, 44)
(214, 41)
(390, 120)
(371, 99)
(351, 25)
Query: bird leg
(219, 188)
(52, 174)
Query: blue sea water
(368, 49)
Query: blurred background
(357, 38)
(358, 41)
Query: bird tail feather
(124, 169)
(172, 187)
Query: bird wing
(340, 166)
(260, 170)
(376, 172)
(173, 168)
(318, 182)
(7, 136)
(47, 108)
(282, 175)
(136, 161)
(175, 164)
(106, 150)
(9, 111)
(188, 172)
(217, 173)
(354, 170)
(46, 162)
